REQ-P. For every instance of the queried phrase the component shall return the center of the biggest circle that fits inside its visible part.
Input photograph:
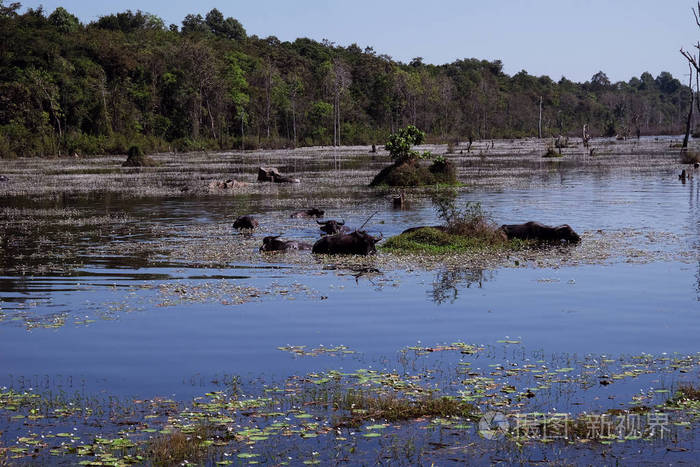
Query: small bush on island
(138, 159)
(551, 153)
(467, 229)
(393, 408)
(407, 169)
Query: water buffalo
(271, 174)
(311, 212)
(540, 232)
(273, 243)
(355, 243)
(245, 222)
(436, 227)
(333, 227)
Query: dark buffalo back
(354, 243)
(540, 232)
(245, 222)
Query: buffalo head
(273, 243)
(245, 222)
(332, 227)
(566, 233)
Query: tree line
(127, 78)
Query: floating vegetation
(227, 293)
(463, 348)
(302, 351)
(312, 418)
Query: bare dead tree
(693, 64)
(539, 123)
(341, 81)
(690, 110)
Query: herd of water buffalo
(337, 238)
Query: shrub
(399, 144)
(443, 171)
(6, 151)
(138, 159)
(467, 229)
(470, 221)
(407, 170)
(551, 152)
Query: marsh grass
(686, 394)
(433, 241)
(178, 447)
(466, 229)
(552, 153)
(363, 406)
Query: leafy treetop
(399, 144)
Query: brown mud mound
(138, 159)
(413, 173)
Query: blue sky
(572, 38)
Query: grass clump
(686, 395)
(178, 447)
(434, 241)
(136, 158)
(393, 408)
(467, 229)
(551, 153)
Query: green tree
(228, 28)
(238, 88)
(400, 143)
(64, 21)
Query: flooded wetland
(138, 326)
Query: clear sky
(572, 38)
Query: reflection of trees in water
(448, 282)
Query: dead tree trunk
(539, 123)
(690, 111)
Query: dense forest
(127, 78)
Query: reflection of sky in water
(614, 309)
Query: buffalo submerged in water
(245, 222)
(306, 213)
(540, 232)
(353, 243)
(273, 243)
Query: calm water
(146, 349)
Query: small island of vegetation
(407, 169)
